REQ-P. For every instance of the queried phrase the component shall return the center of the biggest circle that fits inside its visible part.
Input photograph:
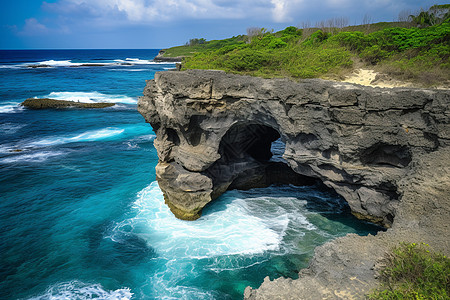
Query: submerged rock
(38, 66)
(385, 151)
(44, 103)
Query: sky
(156, 24)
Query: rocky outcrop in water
(45, 103)
(386, 151)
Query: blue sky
(146, 24)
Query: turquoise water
(81, 216)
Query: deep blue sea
(81, 216)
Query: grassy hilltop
(416, 49)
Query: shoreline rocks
(161, 58)
(46, 103)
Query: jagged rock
(385, 151)
(45, 103)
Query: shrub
(414, 271)
(277, 43)
(316, 38)
(374, 54)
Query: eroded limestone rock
(214, 131)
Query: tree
(193, 42)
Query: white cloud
(150, 11)
(117, 13)
(33, 27)
(279, 12)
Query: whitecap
(137, 61)
(10, 108)
(33, 157)
(90, 97)
(4, 149)
(58, 63)
(129, 70)
(10, 66)
(10, 128)
(80, 291)
(119, 106)
(88, 136)
(132, 145)
(144, 138)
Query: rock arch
(362, 142)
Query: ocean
(81, 216)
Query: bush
(277, 43)
(317, 37)
(374, 54)
(413, 271)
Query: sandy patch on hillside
(371, 78)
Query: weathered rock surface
(161, 58)
(386, 151)
(45, 103)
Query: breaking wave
(81, 291)
(88, 136)
(90, 97)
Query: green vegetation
(417, 49)
(413, 271)
(278, 54)
(409, 53)
(201, 45)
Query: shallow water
(81, 216)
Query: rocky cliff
(385, 151)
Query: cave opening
(252, 141)
(251, 156)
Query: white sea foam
(58, 63)
(137, 61)
(144, 138)
(10, 108)
(10, 128)
(93, 135)
(228, 231)
(29, 157)
(5, 149)
(10, 66)
(129, 70)
(134, 143)
(80, 291)
(90, 97)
